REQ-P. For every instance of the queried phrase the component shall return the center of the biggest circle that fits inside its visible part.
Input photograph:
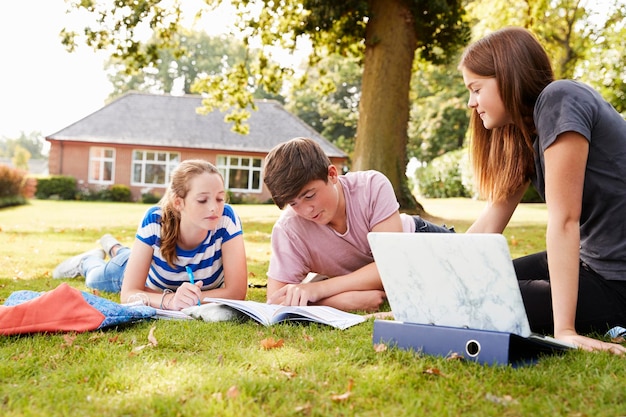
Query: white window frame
(97, 155)
(168, 160)
(227, 163)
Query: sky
(44, 88)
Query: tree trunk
(381, 140)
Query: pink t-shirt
(300, 246)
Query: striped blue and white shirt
(205, 260)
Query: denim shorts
(424, 226)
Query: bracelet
(165, 292)
(167, 305)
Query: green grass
(220, 369)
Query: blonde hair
(178, 187)
(503, 157)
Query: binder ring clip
(472, 348)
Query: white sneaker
(71, 267)
(108, 242)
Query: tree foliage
(194, 56)
(327, 98)
(585, 42)
(32, 143)
(391, 31)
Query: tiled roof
(172, 121)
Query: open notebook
(451, 279)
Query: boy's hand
(294, 295)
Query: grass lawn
(221, 369)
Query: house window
(153, 168)
(241, 173)
(101, 163)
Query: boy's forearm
(369, 301)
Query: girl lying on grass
(188, 247)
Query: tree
(387, 33)
(439, 112)
(327, 98)
(586, 42)
(584, 38)
(20, 159)
(33, 143)
(195, 55)
(604, 65)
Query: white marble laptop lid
(450, 279)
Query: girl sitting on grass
(188, 247)
(571, 144)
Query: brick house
(139, 138)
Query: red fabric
(62, 309)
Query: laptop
(451, 279)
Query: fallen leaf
(345, 395)
(433, 371)
(455, 356)
(151, 338)
(380, 347)
(68, 340)
(270, 343)
(504, 400)
(233, 392)
(305, 409)
(289, 374)
(139, 348)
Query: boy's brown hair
(292, 165)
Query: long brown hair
(503, 157)
(179, 187)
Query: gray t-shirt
(565, 106)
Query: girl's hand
(186, 295)
(589, 344)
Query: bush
(15, 186)
(62, 187)
(85, 193)
(10, 181)
(117, 192)
(120, 193)
(150, 197)
(445, 176)
(450, 176)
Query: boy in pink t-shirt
(324, 228)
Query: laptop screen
(450, 279)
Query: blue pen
(193, 281)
